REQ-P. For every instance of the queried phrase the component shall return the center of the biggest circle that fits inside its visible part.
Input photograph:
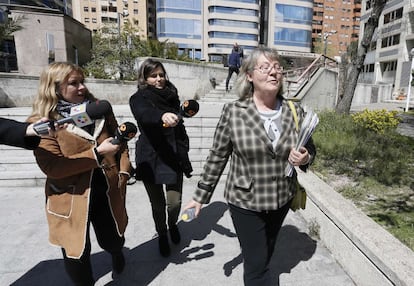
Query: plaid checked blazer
(256, 178)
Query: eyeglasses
(267, 68)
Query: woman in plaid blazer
(258, 134)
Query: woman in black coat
(162, 148)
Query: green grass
(379, 169)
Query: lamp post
(325, 42)
(123, 14)
(407, 106)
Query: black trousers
(159, 203)
(80, 270)
(232, 69)
(257, 233)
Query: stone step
(19, 168)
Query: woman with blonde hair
(86, 174)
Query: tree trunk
(344, 104)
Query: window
(293, 37)
(86, 20)
(93, 9)
(85, 9)
(293, 14)
(390, 41)
(392, 16)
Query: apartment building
(336, 23)
(95, 14)
(389, 58)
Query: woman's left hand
(300, 157)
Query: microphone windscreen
(125, 132)
(98, 109)
(189, 108)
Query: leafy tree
(114, 55)
(10, 26)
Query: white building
(388, 60)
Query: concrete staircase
(18, 166)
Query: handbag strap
(295, 115)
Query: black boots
(163, 245)
(175, 234)
(118, 262)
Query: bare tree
(344, 103)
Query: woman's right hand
(170, 119)
(107, 148)
(193, 204)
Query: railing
(296, 79)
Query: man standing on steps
(234, 64)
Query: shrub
(377, 120)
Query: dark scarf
(164, 99)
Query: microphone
(188, 108)
(125, 132)
(80, 115)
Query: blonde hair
(243, 86)
(48, 94)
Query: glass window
(293, 14)
(231, 10)
(233, 23)
(230, 35)
(293, 37)
(179, 6)
(179, 28)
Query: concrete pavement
(208, 254)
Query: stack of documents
(306, 130)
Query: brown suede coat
(68, 160)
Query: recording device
(125, 132)
(80, 115)
(188, 108)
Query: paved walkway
(209, 253)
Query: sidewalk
(208, 254)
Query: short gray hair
(245, 88)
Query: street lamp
(325, 42)
(123, 14)
(407, 106)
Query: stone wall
(192, 81)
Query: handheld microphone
(188, 108)
(125, 132)
(80, 115)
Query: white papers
(306, 130)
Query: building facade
(389, 58)
(47, 35)
(95, 14)
(336, 24)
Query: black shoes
(164, 245)
(175, 234)
(118, 262)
